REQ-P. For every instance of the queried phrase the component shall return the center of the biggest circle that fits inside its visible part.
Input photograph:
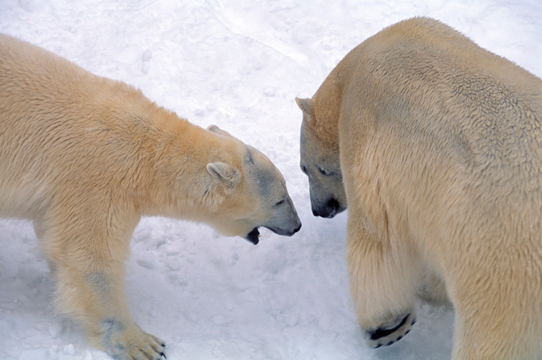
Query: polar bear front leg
(89, 279)
(382, 284)
(96, 300)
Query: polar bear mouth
(253, 236)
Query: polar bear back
(66, 127)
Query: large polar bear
(85, 157)
(439, 146)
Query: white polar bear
(85, 157)
(435, 146)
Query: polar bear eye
(280, 202)
(324, 172)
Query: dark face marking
(327, 193)
(249, 159)
(276, 209)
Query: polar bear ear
(215, 129)
(224, 173)
(305, 105)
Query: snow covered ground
(237, 64)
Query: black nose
(329, 210)
(291, 232)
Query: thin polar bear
(85, 157)
(435, 146)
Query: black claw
(406, 332)
(380, 333)
(377, 346)
(400, 337)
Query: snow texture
(238, 64)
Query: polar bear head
(254, 193)
(320, 161)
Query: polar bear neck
(328, 102)
(176, 154)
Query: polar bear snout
(254, 235)
(285, 232)
(284, 219)
(329, 209)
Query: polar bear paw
(131, 343)
(389, 333)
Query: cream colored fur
(440, 150)
(85, 157)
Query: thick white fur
(85, 157)
(440, 149)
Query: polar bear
(435, 146)
(86, 157)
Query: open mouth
(253, 236)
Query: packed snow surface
(237, 64)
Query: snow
(237, 64)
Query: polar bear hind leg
(383, 283)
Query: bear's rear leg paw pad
(388, 334)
